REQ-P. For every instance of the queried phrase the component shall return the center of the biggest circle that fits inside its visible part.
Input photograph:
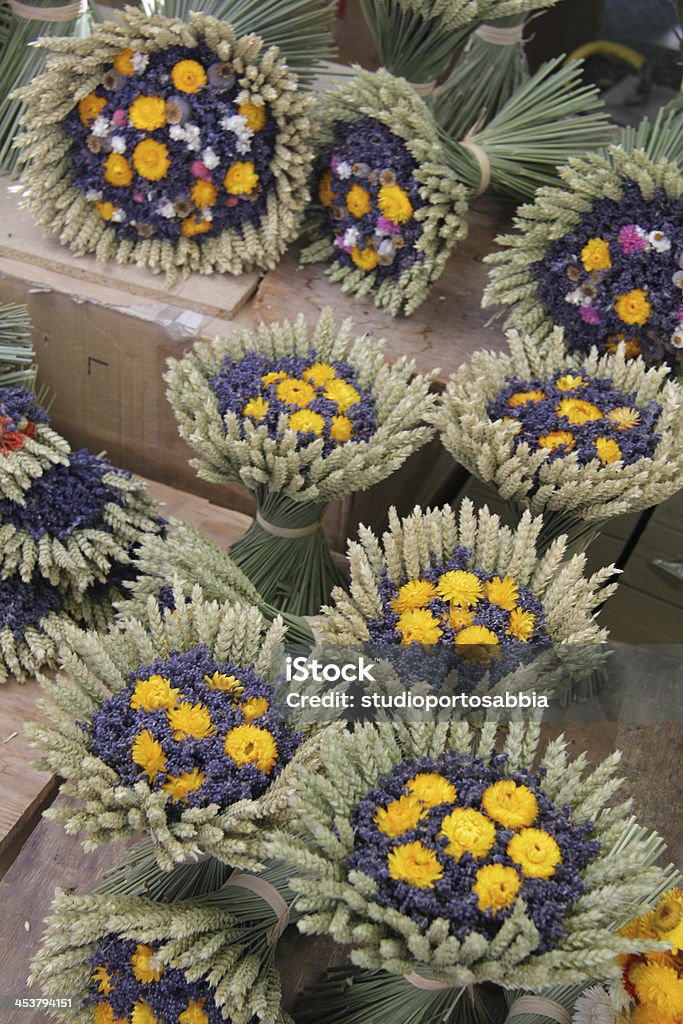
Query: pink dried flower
(590, 315)
(632, 238)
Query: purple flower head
(18, 407)
(25, 604)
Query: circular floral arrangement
(127, 984)
(618, 276)
(464, 840)
(313, 397)
(581, 413)
(188, 153)
(202, 731)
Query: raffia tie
(430, 985)
(269, 894)
(482, 159)
(67, 13)
(283, 531)
(498, 35)
(539, 1004)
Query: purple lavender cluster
(313, 397)
(64, 499)
(23, 605)
(205, 165)
(18, 406)
(618, 276)
(369, 197)
(452, 897)
(575, 412)
(201, 750)
(117, 967)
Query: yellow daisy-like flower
(102, 978)
(511, 805)
(595, 255)
(231, 684)
(194, 1014)
(117, 171)
(431, 789)
(668, 919)
(152, 693)
(460, 588)
(413, 594)
(179, 786)
(151, 159)
(633, 308)
(658, 985)
(476, 635)
(104, 1014)
(325, 193)
(395, 204)
(341, 392)
(254, 115)
(522, 624)
(578, 411)
(468, 831)
(341, 429)
(241, 178)
(358, 201)
(148, 754)
(147, 113)
(556, 439)
(191, 720)
(640, 927)
(191, 227)
(503, 592)
(143, 970)
(522, 397)
(203, 193)
(272, 378)
(416, 864)
(89, 108)
(536, 853)
(106, 210)
(366, 259)
(460, 618)
(142, 1014)
(496, 887)
(254, 707)
(624, 417)
(123, 63)
(319, 374)
(418, 626)
(292, 391)
(631, 346)
(400, 816)
(188, 76)
(477, 645)
(305, 421)
(570, 382)
(255, 408)
(608, 450)
(644, 1014)
(247, 744)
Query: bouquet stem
(285, 554)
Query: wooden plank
(443, 332)
(23, 242)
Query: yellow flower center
(536, 853)
(247, 744)
(496, 887)
(151, 159)
(414, 594)
(358, 201)
(395, 204)
(305, 421)
(400, 816)
(152, 693)
(431, 789)
(577, 411)
(502, 592)
(366, 259)
(191, 720)
(241, 178)
(633, 308)
(188, 76)
(608, 450)
(295, 392)
(595, 255)
(117, 171)
(468, 831)
(416, 864)
(256, 408)
(143, 970)
(148, 754)
(418, 626)
(511, 805)
(254, 115)
(557, 439)
(460, 588)
(147, 113)
(522, 397)
(180, 786)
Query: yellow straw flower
(578, 411)
(358, 201)
(255, 408)
(247, 744)
(325, 193)
(366, 259)
(476, 635)
(151, 159)
(147, 113)
(203, 193)
(231, 684)
(496, 887)
(608, 450)
(103, 979)
(123, 63)
(522, 624)
(418, 626)
(556, 439)
(658, 985)
(305, 421)
(254, 707)
(468, 831)
(431, 789)
(179, 786)
(460, 618)
(241, 178)
(536, 853)
(89, 108)
(152, 693)
(106, 210)
(142, 1014)
(511, 805)
(400, 816)
(522, 397)
(477, 645)
(416, 864)
(191, 720)
(341, 429)
(271, 378)
(395, 204)
(668, 919)
(140, 962)
(595, 255)
(631, 346)
(341, 392)
(503, 592)
(104, 1014)
(295, 392)
(624, 417)
(255, 116)
(570, 382)
(117, 170)
(633, 308)
(191, 227)
(460, 588)
(194, 1014)
(188, 76)
(413, 594)
(148, 754)
(319, 374)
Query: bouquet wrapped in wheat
(301, 417)
(579, 437)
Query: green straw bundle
(16, 348)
